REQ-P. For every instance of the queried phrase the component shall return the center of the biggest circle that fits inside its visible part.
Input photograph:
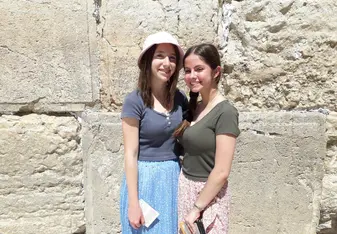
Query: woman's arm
(225, 147)
(131, 144)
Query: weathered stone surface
(277, 54)
(282, 54)
(277, 173)
(45, 56)
(120, 46)
(41, 175)
(328, 221)
(276, 179)
(101, 142)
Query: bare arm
(131, 144)
(225, 147)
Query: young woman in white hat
(150, 115)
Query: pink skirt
(215, 217)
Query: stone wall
(67, 65)
(41, 175)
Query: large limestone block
(275, 184)
(46, 56)
(101, 142)
(41, 188)
(282, 54)
(328, 221)
(124, 25)
(277, 173)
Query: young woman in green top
(208, 136)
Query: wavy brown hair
(144, 79)
(210, 55)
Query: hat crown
(159, 38)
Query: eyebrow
(161, 51)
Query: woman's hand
(191, 217)
(135, 216)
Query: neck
(209, 96)
(158, 89)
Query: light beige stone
(276, 179)
(41, 166)
(120, 46)
(277, 173)
(45, 56)
(103, 154)
(283, 54)
(328, 218)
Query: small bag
(198, 225)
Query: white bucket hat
(160, 38)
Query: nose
(166, 62)
(193, 74)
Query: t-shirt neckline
(207, 113)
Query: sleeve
(227, 122)
(132, 106)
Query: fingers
(190, 226)
(142, 220)
(135, 225)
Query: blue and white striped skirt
(158, 186)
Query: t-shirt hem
(127, 115)
(236, 134)
(156, 159)
(195, 178)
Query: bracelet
(198, 207)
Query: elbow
(223, 175)
(130, 156)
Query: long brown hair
(144, 79)
(210, 55)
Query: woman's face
(164, 62)
(198, 74)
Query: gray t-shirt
(199, 140)
(156, 142)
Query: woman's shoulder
(134, 99)
(135, 94)
(225, 107)
(133, 105)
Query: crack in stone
(30, 107)
(226, 20)
(16, 52)
(96, 13)
(259, 132)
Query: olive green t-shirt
(199, 140)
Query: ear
(217, 72)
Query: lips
(167, 73)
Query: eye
(199, 69)
(187, 71)
(159, 55)
(172, 58)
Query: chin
(195, 89)
(164, 78)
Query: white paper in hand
(149, 213)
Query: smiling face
(199, 75)
(164, 62)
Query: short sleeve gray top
(199, 140)
(156, 142)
